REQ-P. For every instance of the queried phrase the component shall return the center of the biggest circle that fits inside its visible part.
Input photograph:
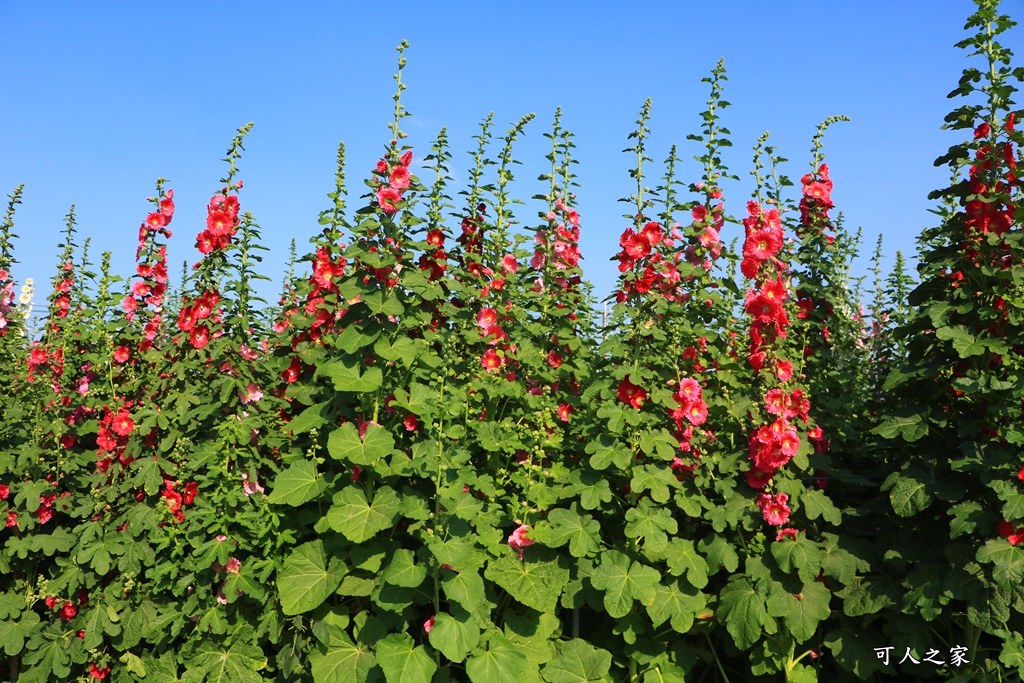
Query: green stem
(718, 661)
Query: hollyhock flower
(690, 390)
(774, 508)
(406, 158)
(191, 489)
(697, 413)
(1020, 475)
(436, 238)
(428, 624)
(509, 264)
(538, 260)
(487, 320)
(388, 198)
(1010, 533)
(291, 373)
(631, 393)
(775, 401)
(784, 370)
(564, 411)
(491, 360)
(5, 491)
(199, 336)
(97, 672)
(51, 602)
(518, 540)
(399, 178)
(554, 358)
(12, 518)
(172, 497)
(251, 393)
(122, 424)
(37, 356)
(232, 566)
(68, 611)
(787, 532)
(382, 167)
(410, 422)
(121, 354)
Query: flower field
(433, 458)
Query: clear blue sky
(101, 98)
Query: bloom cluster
(389, 192)
(564, 245)
(152, 286)
(221, 222)
(815, 203)
(191, 316)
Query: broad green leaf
(403, 570)
(535, 584)
(47, 654)
(720, 554)
(308, 578)
(676, 602)
(681, 557)
(465, 587)
(310, 418)
(346, 376)
(911, 427)
(803, 611)
(1008, 561)
(1012, 653)
(298, 484)
(344, 444)
(454, 636)
(744, 612)
(817, 504)
(359, 521)
(500, 662)
(403, 350)
(13, 633)
(578, 662)
(582, 533)
(650, 524)
(800, 555)
(403, 663)
(909, 496)
(657, 479)
(238, 663)
(344, 663)
(622, 583)
(353, 338)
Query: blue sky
(101, 98)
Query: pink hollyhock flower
(406, 159)
(12, 518)
(428, 624)
(509, 263)
(518, 540)
(121, 354)
(250, 487)
(232, 566)
(388, 198)
(487, 320)
(250, 394)
(5, 491)
(399, 178)
(784, 370)
(787, 532)
(774, 508)
(538, 260)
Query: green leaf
(817, 504)
(911, 428)
(1008, 561)
(307, 578)
(681, 557)
(582, 533)
(344, 662)
(500, 662)
(677, 603)
(535, 584)
(803, 611)
(465, 587)
(800, 555)
(403, 570)
(344, 444)
(454, 636)
(14, 633)
(298, 484)
(650, 523)
(578, 662)
(744, 612)
(311, 417)
(622, 583)
(963, 342)
(346, 376)
(720, 554)
(656, 479)
(359, 521)
(909, 496)
(402, 350)
(403, 663)
(238, 663)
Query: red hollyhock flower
(774, 508)
(68, 611)
(410, 422)
(199, 336)
(12, 518)
(121, 354)
(631, 393)
(291, 373)
(388, 198)
(491, 360)
(5, 491)
(436, 238)
(122, 423)
(406, 158)
(554, 359)
(1010, 533)
(399, 178)
(97, 672)
(51, 602)
(191, 489)
(564, 411)
(487, 320)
